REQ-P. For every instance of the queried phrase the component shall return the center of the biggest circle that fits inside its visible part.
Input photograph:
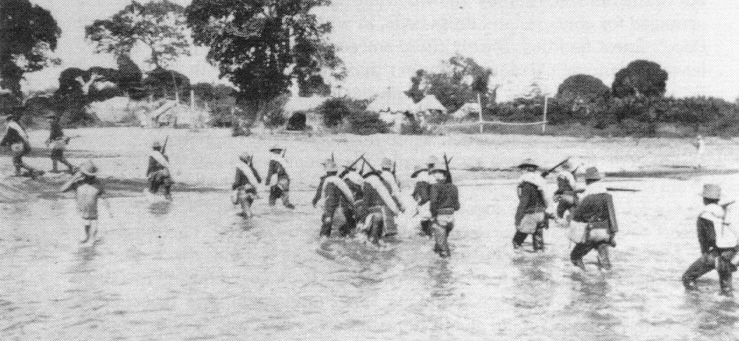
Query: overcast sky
(383, 42)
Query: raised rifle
(347, 169)
(372, 169)
(550, 170)
(725, 205)
(446, 164)
(164, 145)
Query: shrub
(333, 111)
(366, 123)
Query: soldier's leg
(518, 239)
(538, 238)
(376, 228)
(326, 223)
(64, 161)
(603, 256)
(578, 252)
(350, 223)
(700, 267)
(286, 200)
(725, 268)
(426, 227)
(54, 168)
(439, 233)
(274, 193)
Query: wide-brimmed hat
(416, 170)
(330, 166)
(156, 144)
(711, 191)
(528, 163)
(276, 147)
(592, 173)
(88, 168)
(432, 160)
(386, 163)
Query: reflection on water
(192, 269)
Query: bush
(366, 123)
(333, 111)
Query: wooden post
(479, 102)
(192, 100)
(544, 120)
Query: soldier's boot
(286, 200)
(579, 263)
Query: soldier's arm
(523, 202)
(256, 174)
(319, 190)
(434, 200)
(613, 223)
(238, 179)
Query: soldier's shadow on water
(442, 277)
(160, 208)
(534, 282)
(592, 303)
(714, 316)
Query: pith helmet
(712, 191)
(88, 168)
(567, 165)
(432, 160)
(417, 169)
(156, 144)
(592, 173)
(528, 163)
(330, 166)
(246, 157)
(386, 164)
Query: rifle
(446, 164)
(164, 145)
(332, 157)
(550, 170)
(725, 205)
(346, 169)
(373, 169)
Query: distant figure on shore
(278, 178)
(700, 146)
(718, 243)
(58, 142)
(17, 139)
(245, 184)
(531, 214)
(88, 189)
(158, 173)
(597, 219)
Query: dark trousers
(159, 180)
(563, 207)
(720, 260)
(57, 155)
(275, 193)
(345, 227)
(581, 249)
(537, 238)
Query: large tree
(460, 81)
(262, 46)
(159, 25)
(640, 78)
(28, 34)
(582, 88)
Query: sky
(383, 42)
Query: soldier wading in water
(245, 184)
(158, 173)
(594, 222)
(278, 178)
(17, 139)
(443, 202)
(338, 202)
(58, 142)
(718, 242)
(531, 217)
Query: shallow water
(193, 270)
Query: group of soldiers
(361, 199)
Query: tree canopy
(28, 34)
(582, 88)
(640, 78)
(459, 82)
(159, 25)
(262, 45)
